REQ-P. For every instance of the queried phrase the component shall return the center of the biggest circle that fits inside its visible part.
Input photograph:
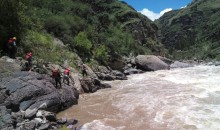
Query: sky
(154, 9)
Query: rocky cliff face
(142, 29)
(192, 31)
(24, 93)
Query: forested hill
(194, 31)
(94, 29)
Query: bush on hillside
(83, 45)
(100, 54)
(43, 48)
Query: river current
(177, 99)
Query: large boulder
(6, 120)
(91, 85)
(105, 73)
(150, 63)
(30, 91)
(166, 60)
(130, 71)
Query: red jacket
(11, 42)
(28, 55)
(56, 73)
(66, 72)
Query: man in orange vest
(56, 75)
(28, 57)
(12, 48)
(66, 75)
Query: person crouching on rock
(83, 68)
(56, 75)
(66, 75)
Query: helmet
(14, 38)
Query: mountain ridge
(192, 32)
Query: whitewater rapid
(177, 99)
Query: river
(177, 99)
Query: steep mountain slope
(97, 30)
(192, 32)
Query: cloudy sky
(154, 9)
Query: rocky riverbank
(29, 99)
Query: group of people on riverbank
(12, 51)
(56, 74)
(66, 75)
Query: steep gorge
(193, 31)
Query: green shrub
(100, 54)
(57, 25)
(43, 48)
(83, 44)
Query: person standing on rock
(66, 75)
(83, 68)
(56, 75)
(28, 58)
(12, 47)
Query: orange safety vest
(28, 56)
(55, 73)
(10, 41)
(66, 72)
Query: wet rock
(90, 85)
(103, 76)
(105, 85)
(2, 97)
(27, 125)
(90, 72)
(71, 122)
(44, 126)
(26, 104)
(6, 120)
(104, 73)
(29, 90)
(62, 121)
(217, 63)
(39, 121)
(118, 75)
(150, 63)
(132, 71)
(50, 116)
(30, 113)
(19, 116)
(166, 60)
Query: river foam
(178, 99)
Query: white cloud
(183, 7)
(151, 15)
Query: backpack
(55, 73)
(66, 72)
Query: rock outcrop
(105, 73)
(24, 94)
(150, 63)
(91, 85)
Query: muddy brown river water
(178, 99)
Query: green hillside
(194, 31)
(96, 30)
